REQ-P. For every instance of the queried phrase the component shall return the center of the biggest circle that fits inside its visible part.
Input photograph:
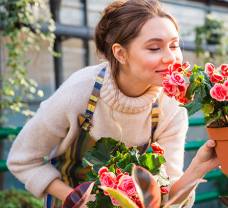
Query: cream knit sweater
(55, 126)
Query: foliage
(200, 88)
(19, 199)
(118, 160)
(21, 21)
(210, 39)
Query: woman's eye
(154, 49)
(175, 46)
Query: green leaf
(196, 104)
(151, 162)
(147, 187)
(83, 192)
(100, 153)
(101, 201)
(128, 168)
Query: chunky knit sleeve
(49, 133)
(171, 134)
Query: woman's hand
(206, 159)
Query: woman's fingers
(210, 143)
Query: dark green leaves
(101, 153)
(101, 201)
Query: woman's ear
(119, 53)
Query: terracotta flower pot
(220, 135)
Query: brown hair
(121, 22)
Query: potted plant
(206, 89)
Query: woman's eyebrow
(160, 39)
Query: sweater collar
(118, 101)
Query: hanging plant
(21, 21)
(14, 198)
(210, 40)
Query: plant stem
(225, 117)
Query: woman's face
(150, 53)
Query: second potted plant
(206, 89)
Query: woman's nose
(169, 57)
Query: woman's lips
(162, 71)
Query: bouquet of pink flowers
(200, 88)
(126, 177)
(112, 165)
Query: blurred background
(31, 71)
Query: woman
(139, 41)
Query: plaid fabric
(73, 199)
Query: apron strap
(85, 125)
(154, 123)
(154, 118)
(85, 119)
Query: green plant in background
(21, 21)
(19, 199)
(210, 40)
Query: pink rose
(175, 67)
(226, 84)
(127, 185)
(224, 70)
(182, 89)
(218, 92)
(108, 179)
(209, 68)
(170, 89)
(102, 170)
(177, 78)
(216, 78)
(182, 100)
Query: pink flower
(102, 170)
(127, 185)
(226, 84)
(108, 179)
(170, 89)
(209, 68)
(216, 78)
(164, 189)
(218, 92)
(118, 171)
(182, 89)
(177, 67)
(224, 70)
(157, 148)
(177, 78)
(182, 100)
